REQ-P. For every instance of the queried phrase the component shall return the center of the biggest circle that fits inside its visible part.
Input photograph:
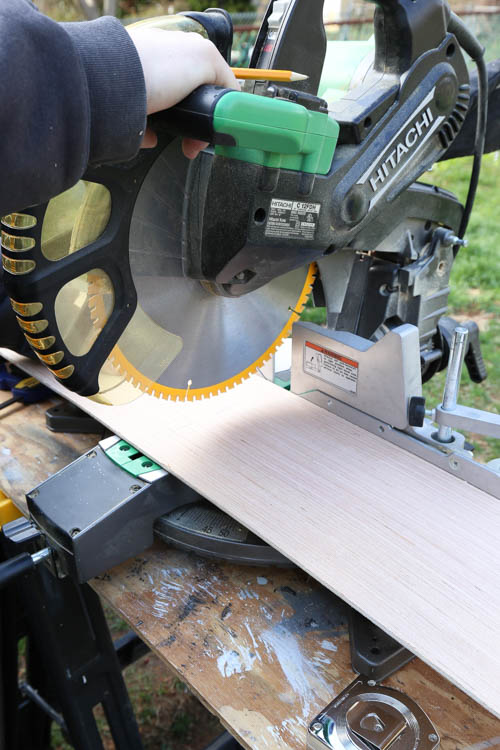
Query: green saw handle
(270, 131)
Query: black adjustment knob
(416, 411)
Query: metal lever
(449, 415)
(452, 384)
(473, 357)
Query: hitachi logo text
(401, 149)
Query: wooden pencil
(266, 74)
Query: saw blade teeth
(131, 375)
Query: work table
(263, 649)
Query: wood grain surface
(413, 548)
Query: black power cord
(470, 44)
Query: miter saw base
(106, 506)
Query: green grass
(475, 279)
(475, 285)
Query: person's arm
(76, 93)
(69, 94)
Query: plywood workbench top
(413, 548)
(266, 650)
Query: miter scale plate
(206, 530)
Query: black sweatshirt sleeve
(70, 94)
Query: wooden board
(266, 650)
(413, 548)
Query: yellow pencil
(265, 74)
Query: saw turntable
(180, 279)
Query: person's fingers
(174, 63)
(149, 139)
(191, 148)
(222, 73)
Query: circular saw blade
(184, 342)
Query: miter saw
(181, 278)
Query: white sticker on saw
(292, 219)
(331, 367)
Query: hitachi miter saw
(181, 278)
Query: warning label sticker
(292, 219)
(332, 367)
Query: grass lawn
(475, 284)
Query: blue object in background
(26, 390)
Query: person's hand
(174, 64)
